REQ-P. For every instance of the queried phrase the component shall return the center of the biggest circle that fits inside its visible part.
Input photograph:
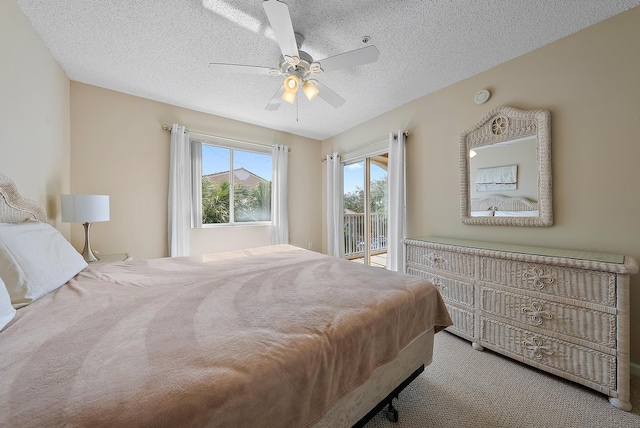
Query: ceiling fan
(297, 66)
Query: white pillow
(35, 259)
(516, 213)
(7, 312)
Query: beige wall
(590, 83)
(34, 114)
(118, 148)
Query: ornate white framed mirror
(505, 169)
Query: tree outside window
(250, 174)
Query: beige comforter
(266, 337)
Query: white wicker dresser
(564, 312)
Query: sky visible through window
(354, 175)
(216, 159)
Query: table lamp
(85, 209)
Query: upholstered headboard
(503, 203)
(14, 208)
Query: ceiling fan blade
(280, 20)
(329, 96)
(237, 68)
(349, 59)
(274, 104)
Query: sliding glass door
(365, 210)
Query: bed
(503, 206)
(274, 336)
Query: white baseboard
(635, 369)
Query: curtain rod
(168, 128)
(406, 134)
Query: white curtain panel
(396, 228)
(335, 210)
(179, 192)
(280, 195)
(196, 183)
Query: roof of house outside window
(241, 175)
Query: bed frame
(391, 412)
(503, 203)
(366, 401)
(355, 408)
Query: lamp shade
(291, 84)
(310, 90)
(85, 208)
(289, 97)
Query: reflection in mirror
(516, 178)
(506, 169)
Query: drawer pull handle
(434, 259)
(536, 313)
(537, 277)
(439, 286)
(437, 283)
(537, 349)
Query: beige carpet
(466, 388)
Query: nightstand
(110, 258)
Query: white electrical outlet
(310, 245)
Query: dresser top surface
(525, 249)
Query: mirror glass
(506, 169)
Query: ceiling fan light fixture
(291, 84)
(289, 97)
(296, 66)
(310, 89)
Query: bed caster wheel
(392, 414)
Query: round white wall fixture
(482, 96)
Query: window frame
(196, 166)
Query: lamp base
(88, 255)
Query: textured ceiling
(161, 49)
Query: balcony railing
(354, 234)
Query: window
(235, 184)
(365, 210)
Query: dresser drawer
(441, 261)
(543, 351)
(450, 289)
(463, 321)
(587, 324)
(560, 311)
(589, 286)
